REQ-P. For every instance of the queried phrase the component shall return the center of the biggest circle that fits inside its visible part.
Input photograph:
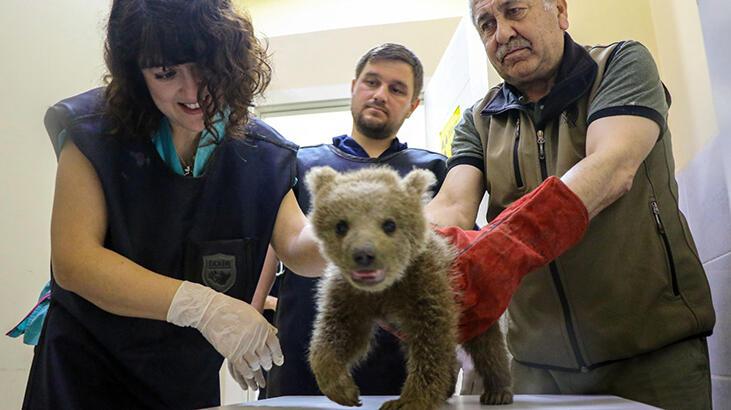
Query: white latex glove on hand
(471, 381)
(233, 327)
(252, 380)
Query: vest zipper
(516, 163)
(567, 316)
(666, 243)
(542, 153)
(554, 271)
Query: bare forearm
(615, 149)
(596, 187)
(294, 240)
(266, 280)
(81, 264)
(302, 254)
(115, 284)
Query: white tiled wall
(704, 196)
(708, 194)
(719, 345)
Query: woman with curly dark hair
(167, 195)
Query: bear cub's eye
(341, 228)
(389, 226)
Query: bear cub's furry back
(385, 265)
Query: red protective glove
(530, 233)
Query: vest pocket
(666, 244)
(226, 266)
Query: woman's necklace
(187, 169)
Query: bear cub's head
(370, 222)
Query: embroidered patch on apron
(219, 271)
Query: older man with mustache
(626, 310)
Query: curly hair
(233, 64)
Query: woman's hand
(233, 327)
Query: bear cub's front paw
(343, 391)
(407, 404)
(504, 396)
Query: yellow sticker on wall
(446, 135)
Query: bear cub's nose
(364, 257)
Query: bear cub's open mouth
(368, 277)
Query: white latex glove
(471, 381)
(233, 327)
(253, 379)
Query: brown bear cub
(386, 266)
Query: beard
(372, 129)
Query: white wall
(681, 56)
(460, 79)
(49, 50)
(328, 58)
(279, 18)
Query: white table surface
(455, 403)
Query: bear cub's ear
(320, 178)
(418, 181)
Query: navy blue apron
(212, 230)
(384, 371)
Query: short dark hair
(219, 39)
(394, 52)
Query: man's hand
(458, 200)
(490, 263)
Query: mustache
(510, 46)
(377, 104)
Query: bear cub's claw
(345, 392)
(504, 396)
(405, 404)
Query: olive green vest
(633, 284)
